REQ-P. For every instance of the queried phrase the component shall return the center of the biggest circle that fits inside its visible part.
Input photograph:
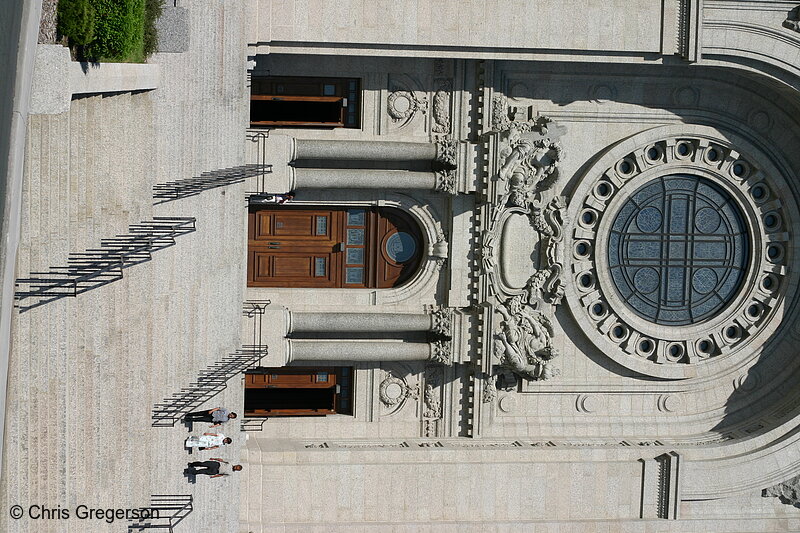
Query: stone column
(439, 322)
(360, 322)
(311, 350)
(364, 150)
(360, 178)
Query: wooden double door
(298, 391)
(336, 248)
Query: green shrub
(119, 29)
(152, 11)
(76, 20)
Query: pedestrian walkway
(85, 372)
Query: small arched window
(354, 248)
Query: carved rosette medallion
(680, 254)
(521, 246)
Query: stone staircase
(85, 372)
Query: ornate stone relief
(446, 181)
(442, 321)
(432, 401)
(446, 151)
(406, 99)
(442, 352)
(394, 391)
(626, 281)
(489, 389)
(525, 341)
(793, 20)
(788, 492)
(523, 212)
(530, 167)
(441, 106)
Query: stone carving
(442, 322)
(446, 151)
(793, 20)
(489, 390)
(433, 407)
(524, 344)
(441, 352)
(548, 283)
(441, 106)
(432, 401)
(530, 167)
(788, 492)
(393, 391)
(446, 181)
(403, 104)
(500, 119)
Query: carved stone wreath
(393, 391)
(402, 104)
(680, 253)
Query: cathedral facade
(541, 261)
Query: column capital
(446, 181)
(442, 321)
(446, 151)
(442, 352)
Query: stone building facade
(599, 329)
(476, 266)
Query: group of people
(215, 466)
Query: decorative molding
(442, 321)
(441, 106)
(446, 181)
(669, 403)
(446, 151)
(442, 352)
(489, 389)
(432, 401)
(524, 344)
(403, 104)
(530, 167)
(394, 391)
(788, 492)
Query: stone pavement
(86, 371)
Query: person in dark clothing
(216, 416)
(213, 468)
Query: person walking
(214, 467)
(216, 416)
(207, 441)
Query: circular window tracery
(686, 257)
(677, 250)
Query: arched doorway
(357, 247)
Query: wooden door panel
(296, 225)
(293, 377)
(292, 266)
(276, 268)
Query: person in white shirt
(208, 441)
